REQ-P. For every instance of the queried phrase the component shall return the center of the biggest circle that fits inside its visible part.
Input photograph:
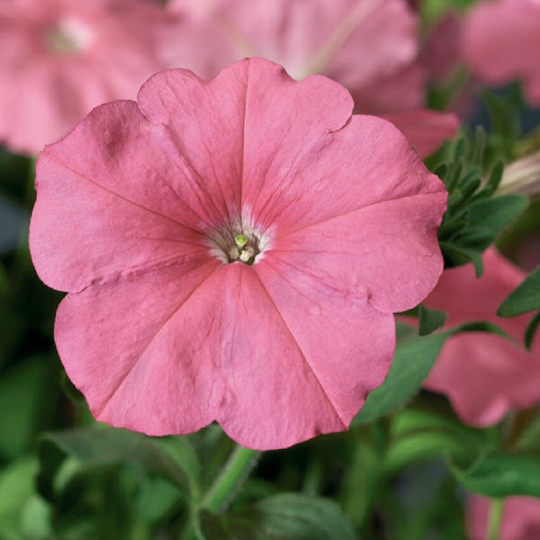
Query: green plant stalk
(235, 472)
(495, 519)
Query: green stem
(240, 464)
(495, 519)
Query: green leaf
(422, 446)
(412, 363)
(287, 516)
(28, 392)
(499, 475)
(419, 434)
(430, 320)
(104, 446)
(526, 297)
(16, 488)
(457, 256)
(495, 178)
(496, 213)
(531, 331)
(529, 439)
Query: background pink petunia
(165, 329)
(369, 46)
(484, 375)
(501, 43)
(61, 58)
(520, 521)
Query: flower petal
(234, 129)
(347, 343)
(426, 130)
(128, 210)
(351, 41)
(501, 40)
(205, 121)
(271, 380)
(129, 366)
(398, 91)
(365, 162)
(387, 252)
(484, 375)
(170, 332)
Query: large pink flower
(520, 521)
(61, 58)
(484, 375)
(369, 46)
(501, 42)
(233, 250)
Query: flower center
(238, 243)
(67, 37)
(245, 250)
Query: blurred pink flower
(521, 518)
(484, 375)
(501, 42)
(440, 53)
(61, 58)
(233, 250)
(369, 46)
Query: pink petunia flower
(369, 46)
(61, 58)
(484, 375)
(520, 521)
(501, 42)
(233, 250)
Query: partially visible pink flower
(234, 251)
(484, 375)
(369, 46)
(520, 521)
(61, 58)
(501, 42)
(441, 52)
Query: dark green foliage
(475, 217)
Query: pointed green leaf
(531, 331)
(526, 297)
(430, 320)
(413, 360)
(496, 213)
(500, 475)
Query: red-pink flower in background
(369, 46)
(501, 42)
(484, 375)
(441, 54)
(234, 251)
(520, 520)
(61, 58)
